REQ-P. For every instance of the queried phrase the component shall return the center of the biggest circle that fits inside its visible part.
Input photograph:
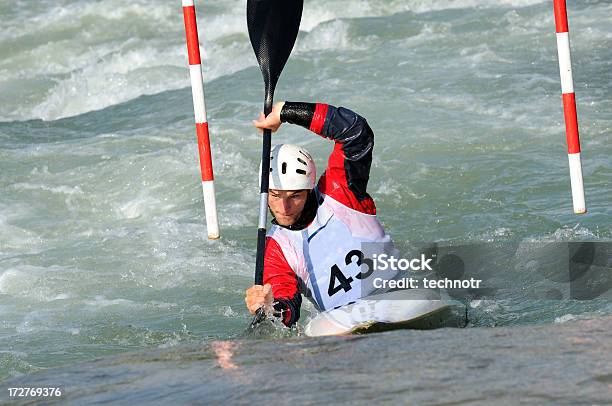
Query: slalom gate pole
(199, 109)
(569, 107)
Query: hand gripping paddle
(273, 28)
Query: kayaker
(314, 245)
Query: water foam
(143, 53)
(79, 57)
(8, 279)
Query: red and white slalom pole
(199, 109)
(569, 106)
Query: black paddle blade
(273, 28)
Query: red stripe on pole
(191, 29)
(571, 123)
(204, 149)
(560, 16)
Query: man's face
(287, 205)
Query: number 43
(338, 281)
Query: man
(315, 244)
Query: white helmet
(291, 168)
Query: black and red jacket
(345, 180)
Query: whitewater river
(110, 289)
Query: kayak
(420, 309)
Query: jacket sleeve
(348, 169)
(278, 273)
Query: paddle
(273, 28)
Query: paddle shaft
(263, 201)
(263, 204)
